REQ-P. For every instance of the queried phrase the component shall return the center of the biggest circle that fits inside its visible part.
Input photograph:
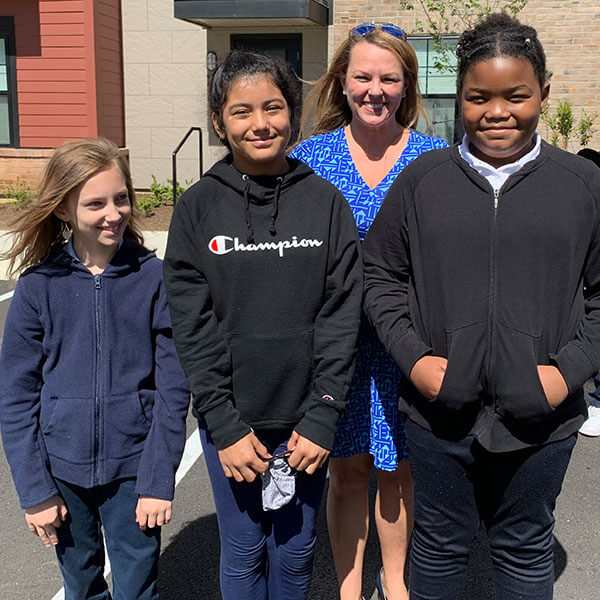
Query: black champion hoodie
(264, 282)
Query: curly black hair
(250, 64)
(499, 34)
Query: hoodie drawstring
(274, 211)
(272, 229)
(250, 236)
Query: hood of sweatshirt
(129, 258)
(261, 189)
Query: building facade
(170, 47)
(137, 71)
(61, 78)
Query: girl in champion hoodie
(264, 280)
(93, 400)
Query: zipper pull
(97, 282)
(496, 196)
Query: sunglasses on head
(389, 28)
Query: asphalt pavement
(190, 557)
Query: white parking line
(191, 453)
(6, 296)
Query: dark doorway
(286, 46)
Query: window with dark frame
(438, 86)
(9, 130)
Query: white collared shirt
(498, 176)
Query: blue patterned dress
(372, 422)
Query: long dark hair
(241, 65)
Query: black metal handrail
(174, 158)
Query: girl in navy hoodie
(264, 282)
(92, 398)
(482, 277)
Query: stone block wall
(165, 89)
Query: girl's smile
(500, 103)
(256, 125)
(98, 213)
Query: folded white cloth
(278, 484)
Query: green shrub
(562, 125)
(162, 193)
(20, 192)
(585, 129)
(146, 206)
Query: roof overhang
(253, 13)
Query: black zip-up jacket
(497, 283)
(264, 281)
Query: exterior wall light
(211, 60)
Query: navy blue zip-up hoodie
(90, 386)
(495, 284)
(264, 279)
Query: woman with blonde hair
(357, 132)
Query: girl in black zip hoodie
(264, 282)
(475, 271)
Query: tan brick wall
(568, 29)
(570, 33)
(26, 164)
(23, 163)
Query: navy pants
(458, 484)
(133, 553)
(594, 397)
(264, 555)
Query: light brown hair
(37, 229)
(326, 108)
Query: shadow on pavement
(189, 566)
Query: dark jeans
(264, 555)
(594, 397)
(458, 485)
(133, 553)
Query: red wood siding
(69, 70)
(109, 70)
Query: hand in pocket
(554, 385)
(427, 375)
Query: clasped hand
(247, 457)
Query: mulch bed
(158, 221)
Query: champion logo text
(223, 244)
